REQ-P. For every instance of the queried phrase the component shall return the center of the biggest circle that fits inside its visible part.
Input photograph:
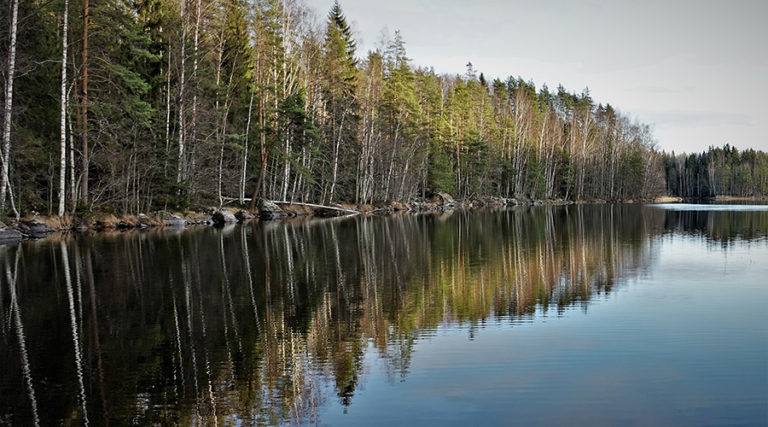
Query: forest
(135, 105)
(717, 172)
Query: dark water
(584, 315)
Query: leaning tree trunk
(244, 168)
(5, 156)
(63, 131)
(336, 148)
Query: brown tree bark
(84, 93)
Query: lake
(588, 315)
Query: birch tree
(5, 184)
(63, 141)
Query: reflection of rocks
(269, 210)
(9, 235)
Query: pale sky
(696, 70)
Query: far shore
(33, 226)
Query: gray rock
(144, 221)
(223, 216)
(270, 210)
(36, 228)
(445, 199)
(243, 216)
(171, 220)
(10, 235)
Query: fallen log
(314, 206)
(228, 200)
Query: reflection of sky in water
(685, 343)
(710, 207)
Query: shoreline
(32, 227)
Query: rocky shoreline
(36, 226)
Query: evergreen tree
(339, 87)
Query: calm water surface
(592, 315)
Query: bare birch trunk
(221, 146)
(6, 190)
(192, 142)
(245, 150)
(63, 161)
(263, 150)
(180, 159)
(337, 146)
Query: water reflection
(722, 226)
(265, 323)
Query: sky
(695, 70)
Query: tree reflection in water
(263, 323)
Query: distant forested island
(138, 105)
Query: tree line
(718, 171)
(134, 105)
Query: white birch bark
(192, 143)
(336, 148)
(180, 160)
(63, 161)
(5, 184)
(245, 150)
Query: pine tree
(339, 87)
